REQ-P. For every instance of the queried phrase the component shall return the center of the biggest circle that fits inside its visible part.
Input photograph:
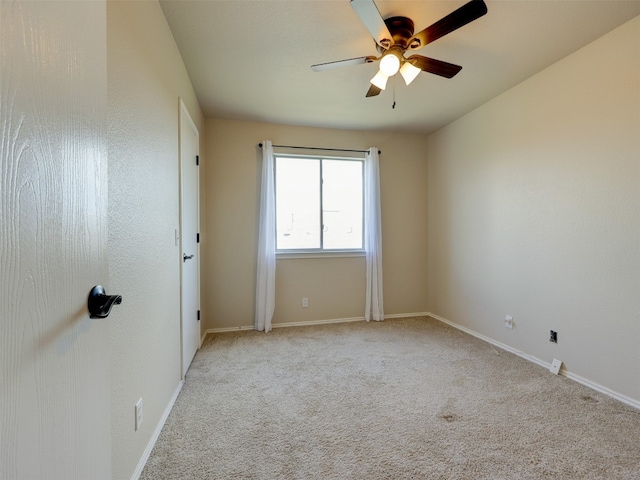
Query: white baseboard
(283, 325)
(572, 376)
(310, 322)
(204, 335)
(156, 434)
(407, 315)
(317, 322)
(227, 329)
(596, 386)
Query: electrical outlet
(508, 321)
(139, 414)
(555, 366)
(305, 302)
(553, 336)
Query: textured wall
(54, 371)
(146, 77)
(334, 286)
(534, 211)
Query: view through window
(319, 203)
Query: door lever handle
(99, 303)
(186, 257)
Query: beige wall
(534, 211)
(334, 286)
(146, 77)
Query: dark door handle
(99, 303)
(186, 257)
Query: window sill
(317, 254)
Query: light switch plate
(555, 366)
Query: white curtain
(266, 278)
(373, 237)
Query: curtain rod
(324, 149)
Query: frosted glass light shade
(380, 80)
(389, 64)
(409, 72)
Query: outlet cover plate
(555, 366)
(508, 321)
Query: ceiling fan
(394, 36)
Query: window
(319, 203)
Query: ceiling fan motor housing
(401, 29)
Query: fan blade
(343, 63)
(373, 91)
(456, 19)
(370, 16)
(432, 65)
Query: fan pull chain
(393, 81)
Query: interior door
(54, 370)
(190, 272)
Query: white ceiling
(250, 60)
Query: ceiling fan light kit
(389, 64)
(380, 80)
(409, 72)
(395, 35)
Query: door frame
(184, 115)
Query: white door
(190, 272)
(54, 361)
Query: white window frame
(321, 252)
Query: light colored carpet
(401, 399)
